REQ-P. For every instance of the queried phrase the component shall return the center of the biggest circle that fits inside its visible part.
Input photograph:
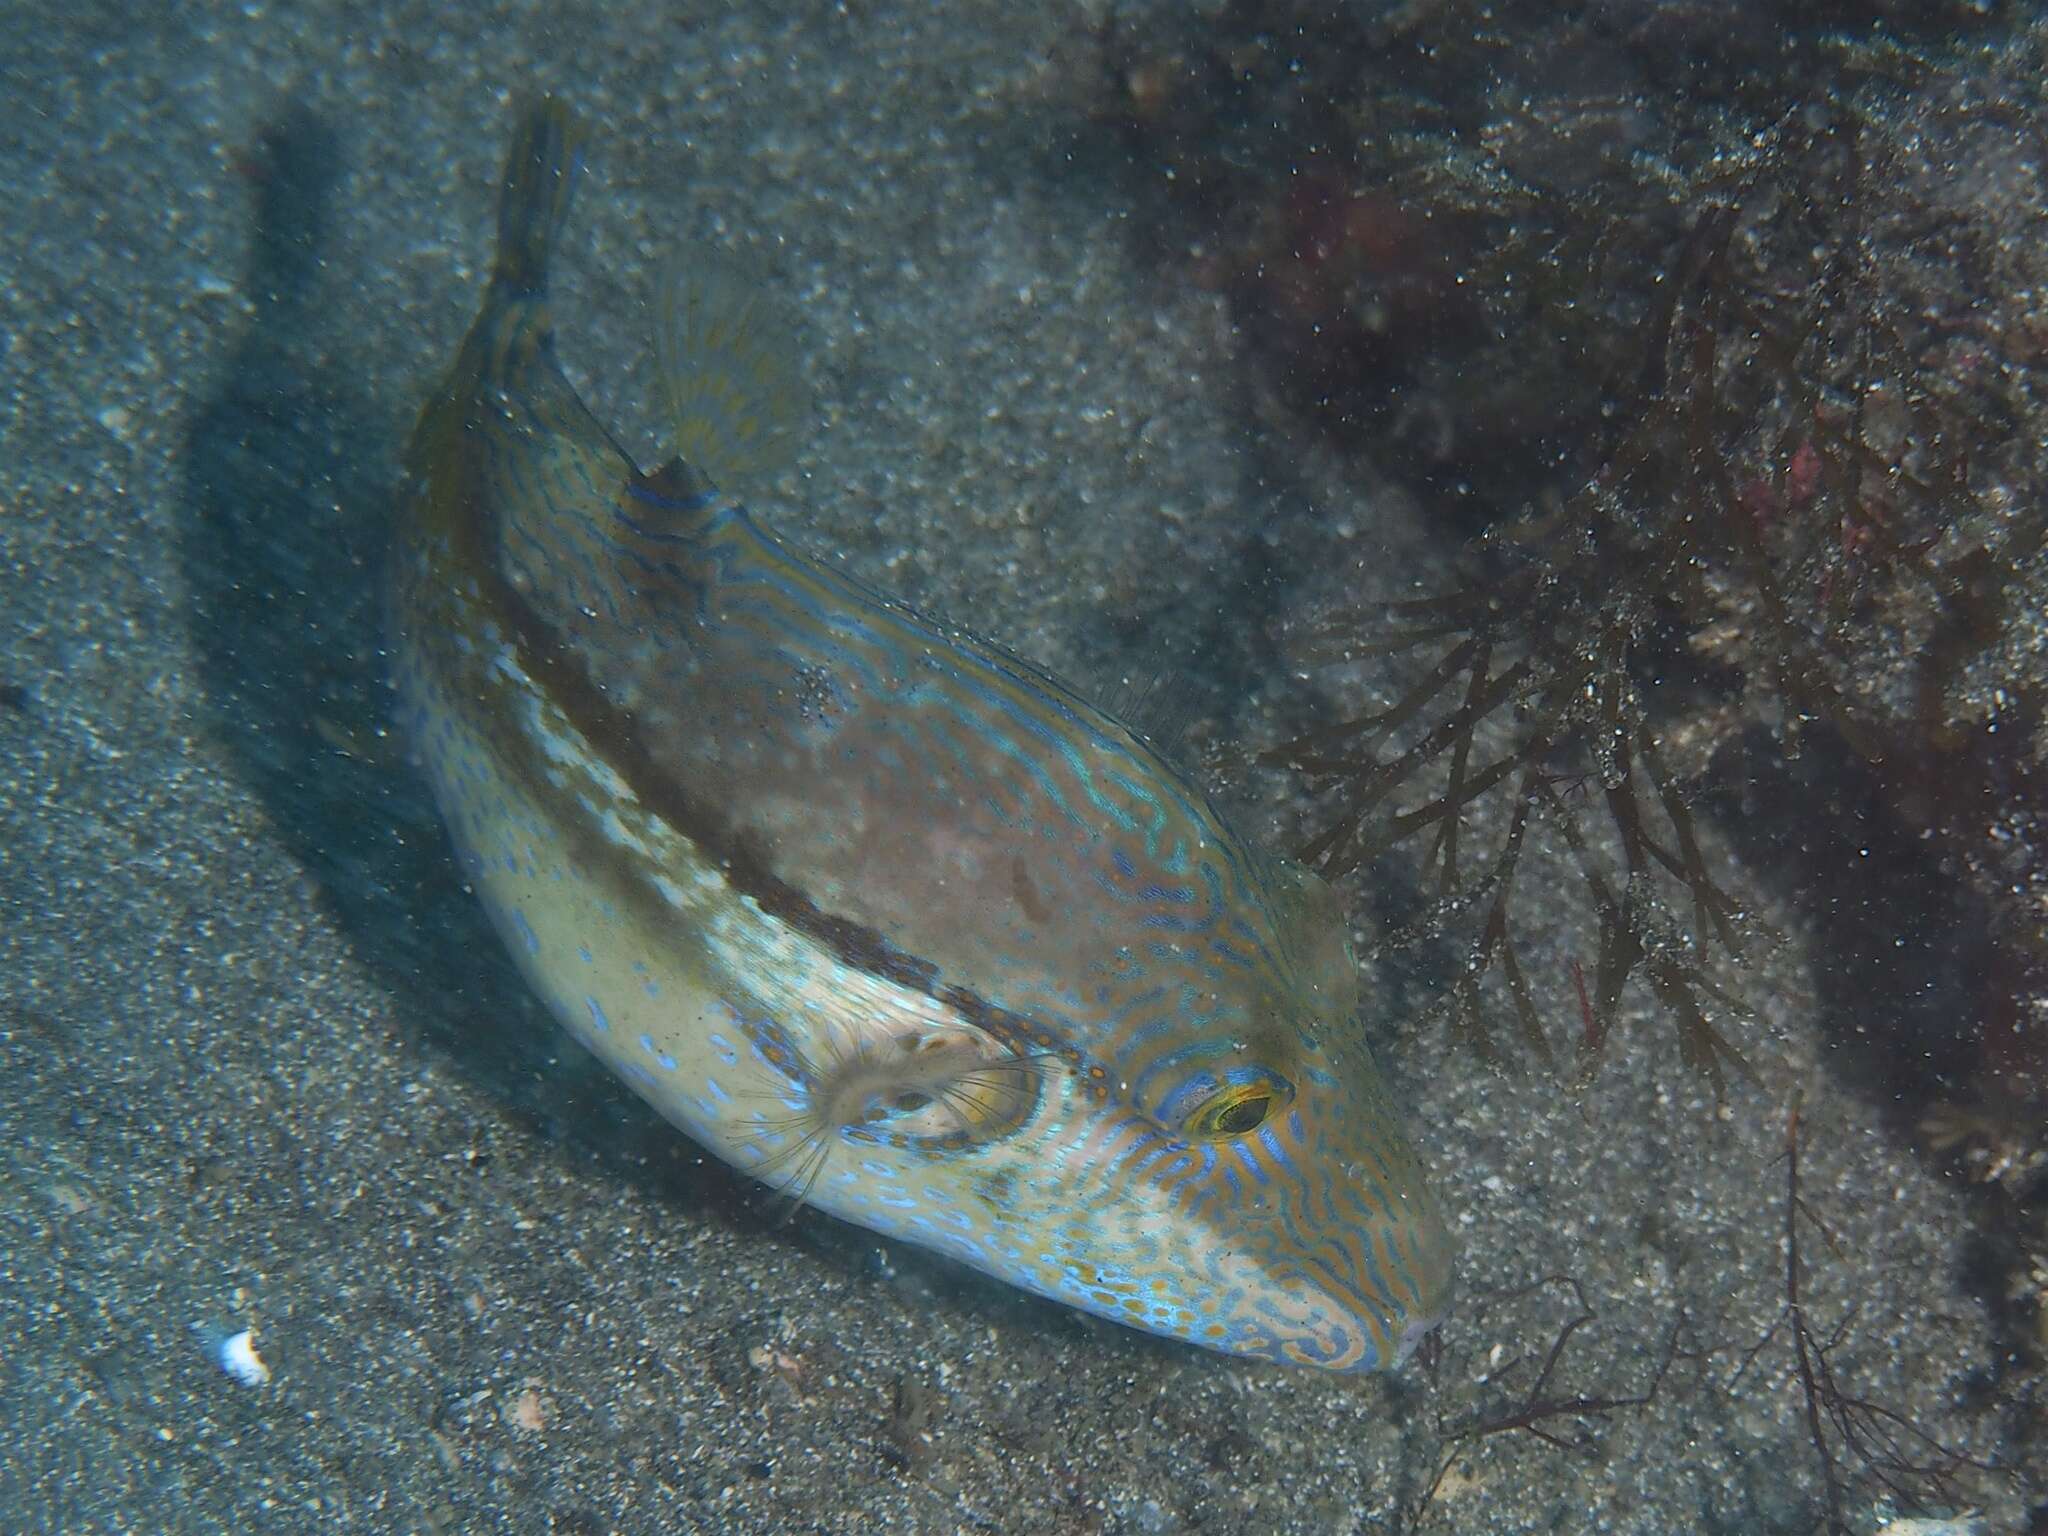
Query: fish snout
(1384, 1281)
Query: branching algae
(1747, 425)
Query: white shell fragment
(1966, 1524)
(237, 1356)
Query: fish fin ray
(729, 362)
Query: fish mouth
(1418, 1329)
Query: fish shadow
(289, 475)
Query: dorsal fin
(728, 357)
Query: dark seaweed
(1559, 1418)
(1852, 1435)
(1750, 440)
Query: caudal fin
(533, 201)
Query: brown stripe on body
(468, 517)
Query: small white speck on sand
(236, 1354)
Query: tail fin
(533, 201)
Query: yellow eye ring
(1235, 1110)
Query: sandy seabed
(263, 1067)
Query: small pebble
(528, 1411)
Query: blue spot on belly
(598, 1021)
(711, 1083)
(583, 953)
(527, 936)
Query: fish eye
(1237, 1108)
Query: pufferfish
(869, 907)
